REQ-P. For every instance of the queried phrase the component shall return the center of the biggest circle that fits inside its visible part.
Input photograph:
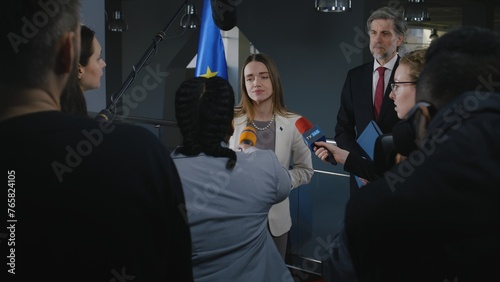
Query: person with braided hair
(226, 205)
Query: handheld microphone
(223, 14)
(312, 134)
(248, 136)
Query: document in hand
(366, 141)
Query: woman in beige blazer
(262, 107)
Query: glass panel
(317, 209)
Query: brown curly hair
(415, 60)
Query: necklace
(265, 127)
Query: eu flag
(211, 60)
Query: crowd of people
(87, 202)
(92, 204)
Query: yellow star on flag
(209, 73)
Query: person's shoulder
(362, 67)
(256, 156)
(127, 127)
(290, 114)
(128, 138)
(261, 161)
(122, 128)
(238, 120)
(286, 120)
(485, 109)
(295, 117)
(111, 129)
(175, 155)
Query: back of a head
(415, 60)
(204, 109)
(465, 59)
(30, 31)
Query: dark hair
(72, 99)
(246, 106)
(87, 45)
(462, 60)
(204, 110)
(29, 32)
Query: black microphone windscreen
(104, 115)
(223, 14)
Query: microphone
(312, 134)
(223, 14)
(248, 136)
(104, 115)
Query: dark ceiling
(447, 14)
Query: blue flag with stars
(211, 60)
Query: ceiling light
(117, 23)
(190, 19)
(434, 34)
(416, 11)
(333, 5)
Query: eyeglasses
(395, 85)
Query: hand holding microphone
(324, 150)
(312, 134)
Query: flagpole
(108, 113)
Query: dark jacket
(93, 202)
(356, 109)
(436, 215)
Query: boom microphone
(248, 136)
(223, 14)
(104, 116)
(312, 134)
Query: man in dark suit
(359, 103)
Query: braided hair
(204, 109)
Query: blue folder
(366, 141)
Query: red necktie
(379, 91)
